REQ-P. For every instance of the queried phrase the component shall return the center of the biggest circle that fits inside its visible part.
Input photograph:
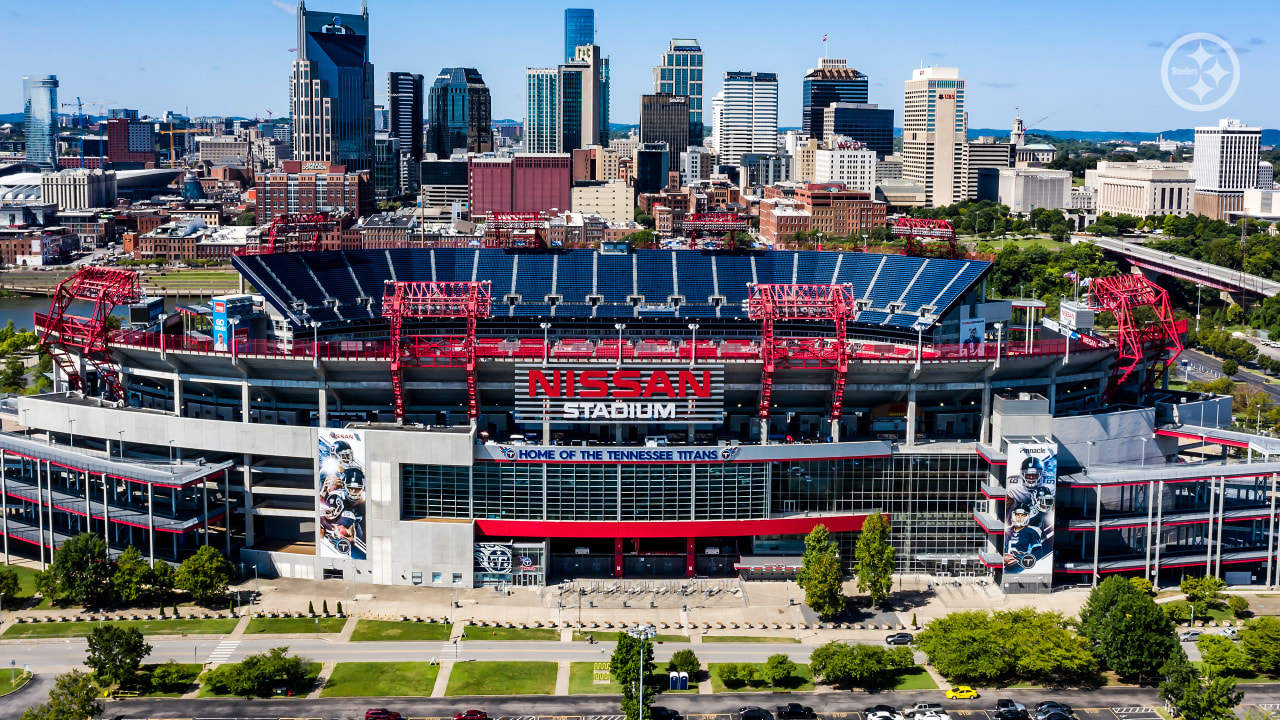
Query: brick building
(308, 187)
(826, 208)
(131, 142)
(524, 183)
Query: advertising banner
(629, 394)
(973, 335)
(1031, 487)
(340, 502)
(220, 326)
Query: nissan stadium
(507, 416)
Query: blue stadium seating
(319, 279)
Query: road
(1184, 267)
(1255, 381)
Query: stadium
(525, 416)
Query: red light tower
(1121, 294)
(927, 238)
(105, 288)
(403, 299)
(293, 233)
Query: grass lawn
(381, 679)
(1243, 678)
(371, 630)
(612, 636)
(917, 678)
(147, 627)
(295, 625)
(27, 580)
(746, 639)
(313, 672)
(7, 687)
(143, 686)
(502, 678)
(801, 681)
(488, 633)
(1024, 243)
(581, 681)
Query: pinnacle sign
(633, 393)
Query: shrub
(778, 669)
(730, 674)
(684, 661)
(1178, 610)
(1238, 605)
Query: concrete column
(911, 414)
(226, 508)
(177, 395)
(244, 401)
(1208, 533)
(151, 523)
(1271, 538)
(88, 508)
(106, 512)
(1097, 530)
(4, 502)
(764, 431)
(323, 405)
(984, 432)
(1222, 520)
(40, 511)
(204, 492)
(248, 499)
(1150, 487)
(1155, 584)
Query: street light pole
(619, 327)
(693, 353)
(120, 444)
(546, 348)
(643, 632)
(170, 452)
(71, 439)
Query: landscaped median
(402, 630)
(382, 679)
(747, 677)
(612, 636)
(296, 626)
(10, 682)
(502, 678)
(182, 626)
(505, 634)
(747, 639)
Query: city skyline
(1110, 69)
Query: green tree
(1009, 645)
(82, 570)
(161, 580)
(1229, 368)
(820, 573)
(628, 669)
(875, 558)
(116, 653)
(73, 697)
(778, 670)
(730, 674)
(1239, 605)
(1141, 584)
(258, 675)
(1221, 655)
(10, 587)
(130, 579)
(1135, 638)
(865, 666)
(1102, 599)
(14, 376)
(169, 677)
(47, 586)
(684, 661)
(205, 575)
(1209, 698)
(248, 218)
(1260, 639)
(1205, 591)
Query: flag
(1086, 282)
(824, 38)
(1071, 275)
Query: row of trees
(82, 573)
(1225, 345)
(1008, 646)
(870, 667)
(821, 575)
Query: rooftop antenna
(824, 46)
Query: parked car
(1189, 635)
(751, 712)
(1052, 705)
(1052, 715)
(794, 711)
(1010, 713)
(381, 714)
(884, 712)
(901, 638)
(923, 708)
(882, 715)
(472, 715)
(962, 692)
(1230, 632)
(657, 712)
(1007, 704)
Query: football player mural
(1031, 485)
(340, 502)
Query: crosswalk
(222, 652)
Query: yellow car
(962, 692)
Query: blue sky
(1086, 65)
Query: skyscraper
(40, 118)
(831, 82)
(746, 116)
(680, 73)
(1225, 164)
(935, 129)
(869, 124)
(579, 30)
(542, 110)
(461, 115)
(567, 107)
(404, 96)
(331, 91)
(664, 118)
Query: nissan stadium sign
(632, 393)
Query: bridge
(1196, 271)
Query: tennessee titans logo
(508, 453)
(728, 453)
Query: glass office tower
(579, 29)
(40, 95)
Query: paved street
(1255, 381)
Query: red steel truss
(293, 233)
(514, 230)
(919, 230)
(105, 288)
(400, 300)
(715, 222)
(768, 303)
(1121, 294)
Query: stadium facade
(484, 416)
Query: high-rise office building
(868, 124)
(831, 82)
(130, 142)
(1225, 164)
(680, 73)
(935, 129)
(579, 30)
(386, 166)
(331, 91)
(665, 118)
(461, 113)
(404, 96)
(746, 116)
(542, 110)
(40, 121)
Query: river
(21, 309)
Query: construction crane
(172, 162)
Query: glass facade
(459, 107)
(867, 124)
(929, 498)
(822, 88)
(40, 97)
(680, 73)
(579, 29)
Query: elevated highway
(1178, 266)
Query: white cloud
(286, 6)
